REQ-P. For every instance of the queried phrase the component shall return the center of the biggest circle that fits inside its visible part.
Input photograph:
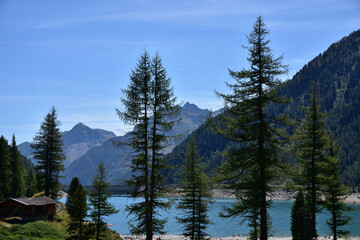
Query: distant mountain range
(85, 148)
(77, 142)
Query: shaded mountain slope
(337, 75)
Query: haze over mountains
(85, 148)
(77, 142)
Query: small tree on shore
(196, 194)
(298, 218)
(78, 212)
(311, 145)
(98, 198)
(335, 194)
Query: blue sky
(77, 55)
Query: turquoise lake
(222, 227)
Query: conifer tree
(335, 194)
(5, 169)
(164, 113)
(137, 102)
(250, 126)
(18, 171)
(47, 145)
(298, 218)
(98, 198)
(149, 105)
(77, 209)
(310, 151)
(196, 194)
(31, 183)
(74, 184)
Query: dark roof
(34, 201)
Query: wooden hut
(28, 209)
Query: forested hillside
(336, 73)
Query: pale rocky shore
(353, 198)
(179, 237)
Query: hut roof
(34, 201)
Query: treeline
(18, 177)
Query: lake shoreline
(279, 195)
(180, 237)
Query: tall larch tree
(5, 169)
(249, 125)
(18, 171)
(311, 146)
(149, 104)
(164, 116)
(48, 150)
(196, 196)
(335, 194)
(137, 104)
(99, 202)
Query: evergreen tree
(75, 183)
(335, 194)
(47, 145)
(298, 218)
(5, 169)
(148, 94)
(310, 151)
(196, 194)
(18, 171)
(78, 212)
(249, 125)
(164, 113)
(137, 102)
(98, 198)
(31, 183)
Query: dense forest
(336, 73)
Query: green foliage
(78, 212)
(18, 171)
(75, 183)
(5, 169)
(31, 183)
(299, 218)
(311, 144)
(47, 145)
(98, 198)
(254, 131)
(196, 194)
(38, 230)
(335, 194)
(76, 207)
(148, 94)
(210, 145)
(336, 74)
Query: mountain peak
(80, 125)
(190, 107)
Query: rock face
(77, 142)
(117, 159)
(80, 139)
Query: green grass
(35, 231)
